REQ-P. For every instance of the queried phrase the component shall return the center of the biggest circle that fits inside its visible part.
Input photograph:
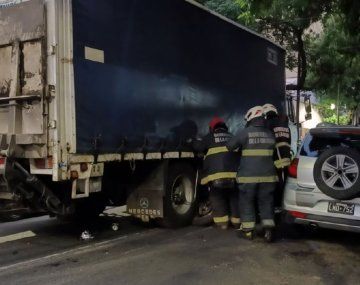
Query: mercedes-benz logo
(144, 203)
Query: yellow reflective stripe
(278, 164)
(216, 150)
(219, 175)
(247, 225)
(235, 220)
(224, 219)
(280, 144)
(260, 179)
(281, 163)
(257, 152)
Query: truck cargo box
(99, 98)
(128, 76)
(150, 74)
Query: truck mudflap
(146, 200)
(30, 189)
(167, 194)
(146, 204)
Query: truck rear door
(22, 78)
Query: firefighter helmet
(215, 122)
(253, 113)
(267, 108)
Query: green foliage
(288, 23)
(343, 119)
(334, 58)
(351, 12)
(246, 17)
(236, 10)
(328, 114)
(284, 21)
(228, 8)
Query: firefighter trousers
(225, 205)
(260, 195)
(279, 193)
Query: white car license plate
(341, 208)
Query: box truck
(98, 99)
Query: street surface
(46, 251)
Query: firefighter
(256, 176)
(219, 173)
(282, 158)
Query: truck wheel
(180, 196)
(337, 173)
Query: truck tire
(337, 173)
(180, 196)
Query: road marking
(17, 236)
(74, 251)
(83, 249)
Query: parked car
(323, 189)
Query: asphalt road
(46, 251)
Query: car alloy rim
(340, 172)
(182, 194)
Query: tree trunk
(302, 59)
(302, 71)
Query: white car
(323, 188)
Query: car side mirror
(308, 117)
(290, 108)
(308, 110)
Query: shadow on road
(304, 233)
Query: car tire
(337, 173)
(179, 208)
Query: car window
(307, 149)
(313, 146)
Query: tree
(285, 21)
(334, 58)
(330, 110)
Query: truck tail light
(74, 175)
(2, 163)
(83, 167)
(44, 163)
(293, 168)
(299, 215)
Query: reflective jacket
(256, 144)
(280, 127)
(219, 163)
